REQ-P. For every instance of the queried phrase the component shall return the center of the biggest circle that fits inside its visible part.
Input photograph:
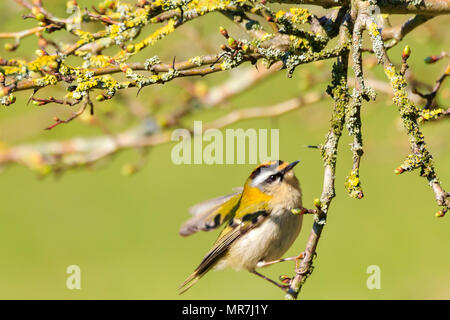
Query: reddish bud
(40, 17)
(130, 48)
(317, 203)
(406, 52)
(399, 170)
(285, 279)
(224, 32)
(4, 91)
(71, 4)
(9, 47)
(53, 64)
(231, 42)
(431, 59)
(40, 53)
(440, 213)
(11, 99)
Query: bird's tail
(190, 281)
(208, 262)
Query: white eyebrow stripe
(262, 176)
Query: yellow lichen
(299, 15)
(428, 114)
(280, 14)
(150, 40)
(45, 81)
(353, 185)
(373, 29)
(298, 43)
(43, 62)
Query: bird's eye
(272, 178)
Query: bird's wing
(212, 204)
(244, 219)
(210, 214)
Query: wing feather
(210, 214)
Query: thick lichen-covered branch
(338, 90)
(420, 157)
(353, 111)
(124, 22)
(432, 7)
(353, 123)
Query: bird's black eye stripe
(273, 177)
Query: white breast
(267, 242)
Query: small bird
(260, 222)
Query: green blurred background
(123, 231)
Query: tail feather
(189, 282)
(210, 260)
(195, 276)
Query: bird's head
(273, 177)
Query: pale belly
(267, 242)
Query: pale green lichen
(420, 157)
(151, 62)
(338, 90)
(196, 60)
(45, 81)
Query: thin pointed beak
(290, 166)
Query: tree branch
(338, 90)
(420, 158)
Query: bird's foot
(285, 286)
(287, 282)
(298, 258)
